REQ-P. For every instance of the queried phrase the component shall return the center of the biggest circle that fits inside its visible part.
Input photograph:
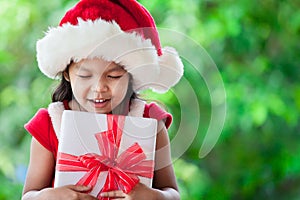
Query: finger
(87, 197)
(114, 194)
(79, 188)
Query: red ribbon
(123, 170)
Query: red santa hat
(122, 31)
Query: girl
(104, 52)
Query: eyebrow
(117, 67)
(81, 67)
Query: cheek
(121, 87)
(79, 87)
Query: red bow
(123, 170)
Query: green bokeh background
(255, 45)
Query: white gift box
(77, 138)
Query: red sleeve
(152, 110)
(40, 127)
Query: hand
(70, 192)
(140, 191)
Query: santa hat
(122, 31)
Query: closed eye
(114, 77)
(84, 76)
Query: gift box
(106, 152)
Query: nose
(100, 86)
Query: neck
(74, 105)
(122, 108)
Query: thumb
(80, 188)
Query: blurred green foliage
(255, 45)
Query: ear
(66, 76)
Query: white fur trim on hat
(106, 40)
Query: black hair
(64, 90)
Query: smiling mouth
(100, 100)
(100, 103)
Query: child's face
(98, 86)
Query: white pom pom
(171, 70)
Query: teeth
(99, 100)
